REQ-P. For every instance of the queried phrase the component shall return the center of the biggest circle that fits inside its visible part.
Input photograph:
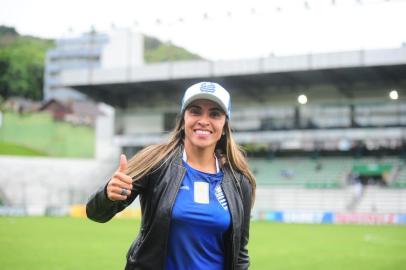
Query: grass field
(39, 133)
(18, 150)
(75, 243)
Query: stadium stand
(337, 184)
(297, 172)
(329, 172)
(399, 177)
(349, 115)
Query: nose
(203, 121)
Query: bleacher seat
(324, 173)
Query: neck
(201, 159)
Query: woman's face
(204, 123)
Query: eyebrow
(211, 109)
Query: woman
(196, 191)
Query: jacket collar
(177, 158)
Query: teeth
(202, 132)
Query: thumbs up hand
(120, 184)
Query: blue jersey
(200, 218)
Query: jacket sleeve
(243, 261)
(100, 208)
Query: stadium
(324, 133)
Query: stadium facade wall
(331, 217)
(324, 206)
(374, 200)
(36, 185)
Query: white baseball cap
(208, 90)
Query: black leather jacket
(158, 191)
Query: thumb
(123, 163)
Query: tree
(21, 64)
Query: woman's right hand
(120, 184)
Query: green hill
(157, 51)
(22, 61)
(21, 64)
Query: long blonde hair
(227, 150)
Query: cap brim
(207, 96)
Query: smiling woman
(205, 115)
(204, 124)
(196, 191)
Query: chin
(203, 145)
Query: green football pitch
(76, 243)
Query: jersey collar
(184, 157)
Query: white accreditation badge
(201, 192)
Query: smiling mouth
(202, 132)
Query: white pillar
(105, 149)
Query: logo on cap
(208, 87)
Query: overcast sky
(223, 29)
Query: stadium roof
(345, 71)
